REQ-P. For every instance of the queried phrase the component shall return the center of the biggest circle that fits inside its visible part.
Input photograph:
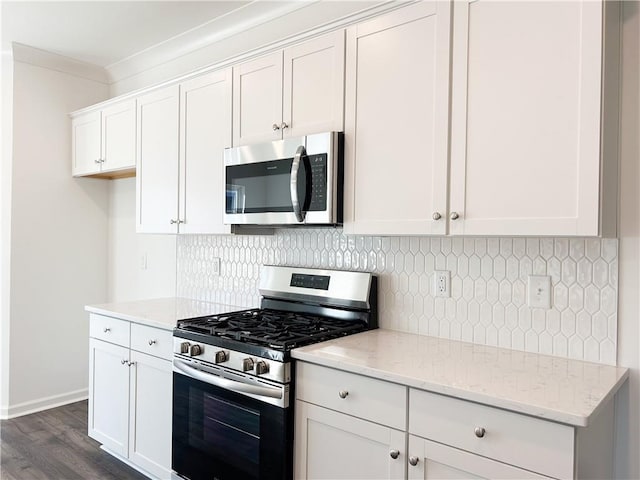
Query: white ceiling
(105, 32)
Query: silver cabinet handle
(178, 222)
(454, 216)
(284, 126)
(97, 160)
(436, 216)
(152, 342)
(124, 361)
(106, 330)
(295, 166)
(343, 393)
(275, 127)
(413, 461)
(479, 431)
(394, 454)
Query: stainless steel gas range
(233, 372)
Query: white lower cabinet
(350, 426)
(150, 413)
(437, 461)
(130, 393)
(332, 445)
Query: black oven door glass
(218, 434)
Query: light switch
(539, 291)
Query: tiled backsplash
(488, 303)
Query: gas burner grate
(272, 328)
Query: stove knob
(184, 347)
(221, 356)
(195, 350)
(247, 364)
(262, 368)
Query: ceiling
(105, 32)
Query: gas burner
(275, 329)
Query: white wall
(140, 266)
(628, 404)
(58, 241)
(6, 132)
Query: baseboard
(33, 406)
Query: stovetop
(268, 329)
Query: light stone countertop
(558, 389)
(160, 312)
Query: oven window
(228, 431)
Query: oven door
(222, 434)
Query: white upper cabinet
(396, 122)
(85, 144)
(205, 131)
(526, 144)
(289, 93)
(119, 136)
(157, 162)
(104, 141)
(182, 133)
(257, 100)
(532, 120)
(313, 98)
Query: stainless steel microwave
(295, 181)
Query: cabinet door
(85, 141)
(150, 418)
(333, 445)
(438, 461)
(205, 130)
(313, 98)
(396, 122)
(119, 136)
(525, 135)
(109, 395)
(257, 100)
(157, 162)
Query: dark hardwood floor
(54, 445)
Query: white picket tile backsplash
(488, 283)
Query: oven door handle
(225, 383)
(295, 201)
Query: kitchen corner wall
(488, 303)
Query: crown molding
(53, 61)
(251, 15)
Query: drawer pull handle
(152, 342)
(107, 329)
(394, 454)
(413, 461)
(479, 431)
(343, 394)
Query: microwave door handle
(295, 166)
(225, 383)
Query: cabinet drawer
(364, 397)
(154, 341)
(109, 329)
(527, 442)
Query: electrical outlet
(442, 283)
(539, 291)
(215, 266)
